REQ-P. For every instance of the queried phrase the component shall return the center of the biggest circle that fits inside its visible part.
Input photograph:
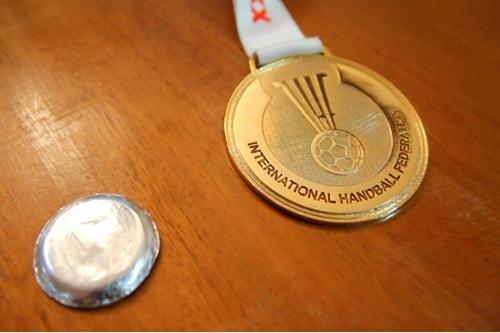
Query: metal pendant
(95, 251)
(326, 139)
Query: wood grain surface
(129, 97)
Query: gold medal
(326, 139)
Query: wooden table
(129, 97)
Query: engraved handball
(338, 151)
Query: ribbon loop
(267, 29)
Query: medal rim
(388, 209)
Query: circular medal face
(95, 251)
(326, 139)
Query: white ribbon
(267, 29)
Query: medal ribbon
(267, 30)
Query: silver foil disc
(95, 251)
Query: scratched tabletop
(129, 97)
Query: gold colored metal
(326, 139)
(252, 62)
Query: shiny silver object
(95, 251)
